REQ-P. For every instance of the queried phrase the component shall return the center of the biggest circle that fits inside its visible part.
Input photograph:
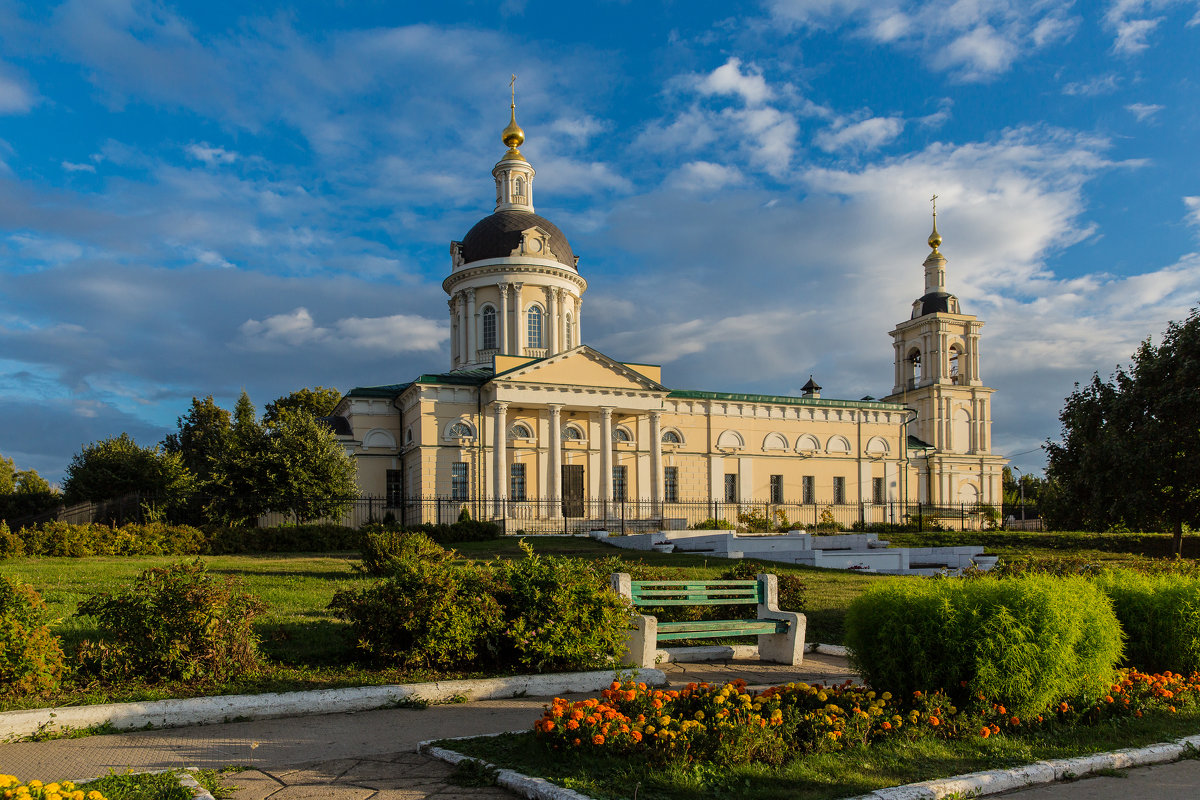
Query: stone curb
(523, 785)
(210, 710)
(722, 652)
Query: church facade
(531, 423)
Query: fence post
(920, 518)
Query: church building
(531, 424)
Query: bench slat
(684, 601)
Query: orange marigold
(597, 739)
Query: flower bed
(728, 724)
(12, 787)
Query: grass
(154, 786)
(822, 776)
(306, 647)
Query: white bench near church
(780, 633)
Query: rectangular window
(458, 481)
(731, 487)
(776, 488)
(619, 483)
(810, 489)
(839, 491)
(671, 484)
(516, 482)
(489, 328)
(877, 490)
(533, 321)
(394, 488)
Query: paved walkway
(371, 755)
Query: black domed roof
(935, 302)
(498, 235)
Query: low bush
(711, 524)
(559, 614)
(314, 538)
(383, 549)
(173, 623)
(425, 614)
(791, 587)
(11, 545)
(93, 539)
(1020, 641)
(31, 659)
(1161, 618)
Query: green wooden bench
(780, 633)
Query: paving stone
(312, 773)
(322, 791)
(251, 784)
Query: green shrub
(711, 524)
(31, 659)
(559, 614)
(11, 544)
(791, 587)
(1161, 618)
(93, 539)
(384, 548)
(426, 613)
(313, 538)
(175, 622)
(1022, 642)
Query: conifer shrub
(425, 614)
(31, 658)
(1021, 642)
(1161, 618)
(173, 623)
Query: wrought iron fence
(538, 516)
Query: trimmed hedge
(64, 539)
(1022, 642)
(1161, 618)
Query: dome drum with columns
(533, 427)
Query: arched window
(461, 430)
(671, 437)
(956, 375)
(621, 435)
(534, 326)
(571, 434)
(519, 187)
(912, 368)
(520, 431)
(960, 431)
(489, 327)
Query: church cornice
(509, 268)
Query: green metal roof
(916, 444)
(783, 400)
(466, 377)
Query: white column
(578, 321)
(554, 476)
(499, 455)
(656, 471)
(606, 456)
(519, 328)
(551, 321)
(472, 328)
(462, 331)
(503, 321)
(453, 332)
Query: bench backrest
(697, 593)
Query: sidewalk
(370, 755)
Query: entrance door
(572, 490)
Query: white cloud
(974, 40)
(397, 333)
(729, 79)
(1100, 85)
(72, 167)
(210, 155)
(1132, 22)
(869, 134)
(15, 98)
(1143, 111)
(704, 176)
(1193, 209)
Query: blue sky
(197, 198)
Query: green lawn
(306, 647)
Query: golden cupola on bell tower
(937, 376)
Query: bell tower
(937, 376)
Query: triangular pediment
(583, 366)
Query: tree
(1130, 445)
(310, 474)
(116, 467)
(24, 492)
(202, 440)
(319, 402)
(240, 485)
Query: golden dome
(513, 136)
(935, 238)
